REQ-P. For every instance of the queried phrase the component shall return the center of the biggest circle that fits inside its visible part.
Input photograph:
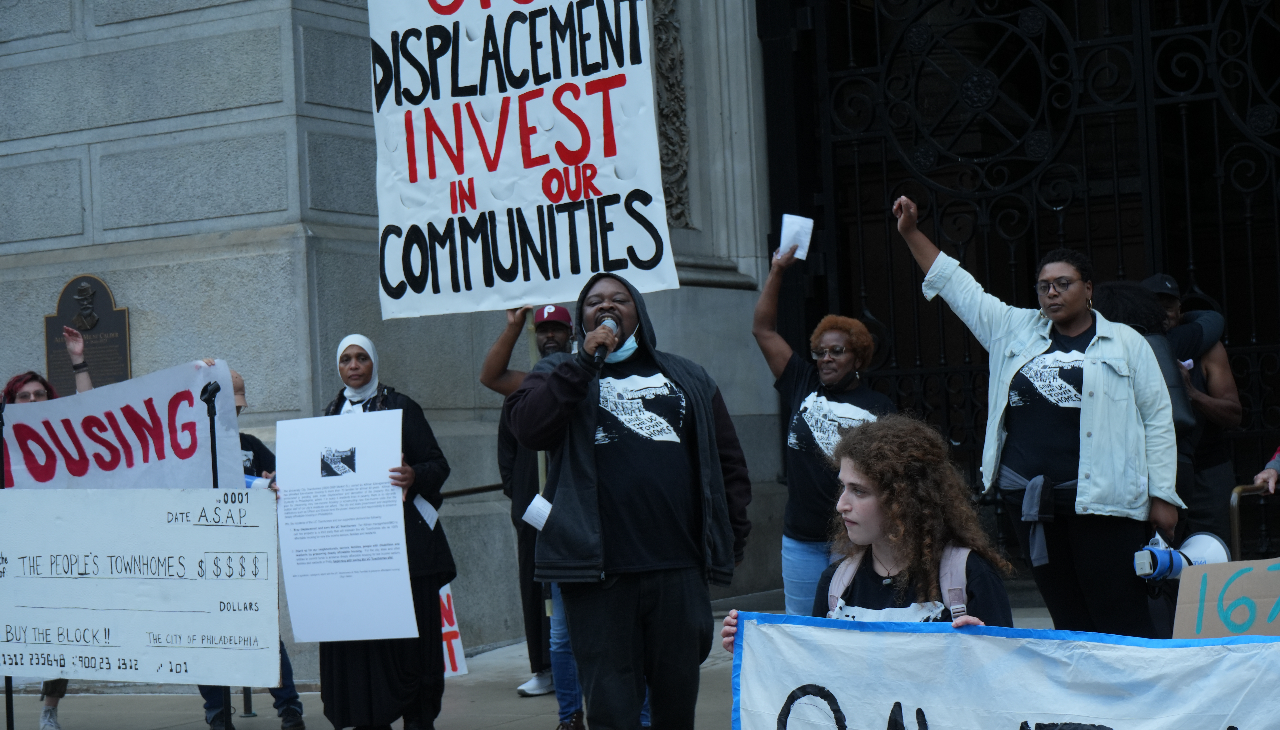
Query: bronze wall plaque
(87, 304)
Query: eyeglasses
(1059, 285)
(833, 351)
(30, 395)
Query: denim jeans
(285, 696)
(802, 566)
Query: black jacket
(428, 549)
(518, 467)
(555, 410)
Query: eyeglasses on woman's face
(1058, 285)
(26, 396)
(833, 351)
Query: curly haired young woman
(903, 507)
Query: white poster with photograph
(169, 586)
(346, 571)
(517, 152)
(146, 433)
(802, 672)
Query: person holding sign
(648, 489)
(913, 547)
(368, 684)
(1080, 436)
(30, 387)
(824, 397)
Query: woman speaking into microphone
(369, 684)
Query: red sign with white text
(148, 432)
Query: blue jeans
(285, 696)
(563, 669)
(802, 566)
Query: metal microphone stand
(208, 394)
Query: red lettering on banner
(448, 638)
(554, 194)
(588, 181)
(446, 611)
(434, 132)
(8, 472)
(92, 427)
(125, 446)
(491, 162)
(467, 195)
(189, 428)
(40, 471)
(408, 146)
(77, 466)
(603, 87)
(144, 429)
(574, 194)
(528, 130)
(450, 8)
(568, 156)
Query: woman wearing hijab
(368, 684)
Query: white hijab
(365, 393)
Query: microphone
(601, 351)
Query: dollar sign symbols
(217, 569)
(241, 566)
(231, 567)
(255, 566)
(200, 569)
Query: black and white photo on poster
(1058, 377)
(337, 462)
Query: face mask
(627, 350)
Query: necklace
(888, 576)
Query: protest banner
(170, 586)
(794, 671)
(455, 660)
(517, 152)
(148, 432)
(1228, 599)
(341, 521)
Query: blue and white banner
(794, 672)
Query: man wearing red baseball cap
(553, 330)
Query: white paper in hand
(428, 512)
(539, 510)
(796, 231)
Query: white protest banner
(346, 569)
(455, 660)
(171, 586)
(143, 433)
(517, 152)
(794, 672)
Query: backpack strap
(953, 579)
(841, 579)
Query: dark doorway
(1144, 133)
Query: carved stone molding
(673, 128)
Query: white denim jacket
(1127, 447)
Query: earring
(1043, 315)
(1089, 303)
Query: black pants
(537, 626)
(1209, 504)
(1089, 583)
(637, 625)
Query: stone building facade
(213, 162)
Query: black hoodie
(555, 410)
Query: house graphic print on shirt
(1046, 375)
(825, 419)
(626, 399)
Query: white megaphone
(1157, 560)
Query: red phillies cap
(552, 313)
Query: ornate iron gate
(1144, 133)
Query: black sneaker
(291, 719)
(217, 724)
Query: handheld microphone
(601, 351)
